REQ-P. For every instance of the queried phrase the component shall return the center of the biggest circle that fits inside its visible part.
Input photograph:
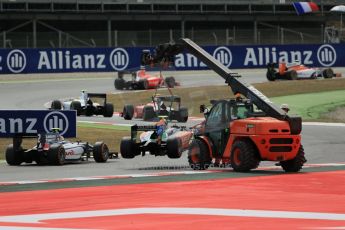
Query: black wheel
(327, 73)
(295, 164)
(173, 148)
(271, 72)
(100, 152)
(56, 154)
(119, 83)
(170, 82)
(56, 105)
(128, 148)
(108, 110)
(144, 84)
(183, 115)
(243, 156)
(270, 75)
(198, 155)
(128, 111)
(14, 157)
(75, 105)
(148, 113)
(291, 75)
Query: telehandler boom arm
(166, 52)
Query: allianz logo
(65, 60)
(54, 119)
(260, 56)
(223, 54)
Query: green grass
(313, 106)
(311, 99)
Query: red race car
(143, 80)
(297, 71)
(161, 105)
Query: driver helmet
(285, 107)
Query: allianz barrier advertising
(117, 59)
(32, 122)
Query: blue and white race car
(87, 104)
(51, 148)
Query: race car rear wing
(17, 139)
(98, 95)
(136, 128)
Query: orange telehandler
(240, 132)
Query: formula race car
(296, 71)
(87, 104)
(51, 148)
(158, 140)
(142, 80)
(169, 105)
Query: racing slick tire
(182, 115)
(119, 83)
(271, 72)
(100, 152)
(291, 75)
(198, 155)
(148, 113)
(128, 112)
(56, 154)
(327, 73)
(144, 84)
(128, 149)
(270, 76)
(14, 157)
(56, 105)
(108, 110)
(170, 82)
(173, 148)
(76, 105)
(295, 164)
(243, 156)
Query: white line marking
(324, 124)
(37, 218)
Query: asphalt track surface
(322, 143)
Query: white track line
(37, 218)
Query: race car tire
(148, 113)
(271, 75)
(128, 149)
(170, 82)
(198, 155)
(295, 164)
(14, 157)
(327, 73)
(56, 154)
(173, 148)
(244, 156)
(119, 83)
(76, 105)
(128, 112)
(108, 110)
(182, 115)
(100, 152)
(56, 105)
(144, 84)
(291, 75)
